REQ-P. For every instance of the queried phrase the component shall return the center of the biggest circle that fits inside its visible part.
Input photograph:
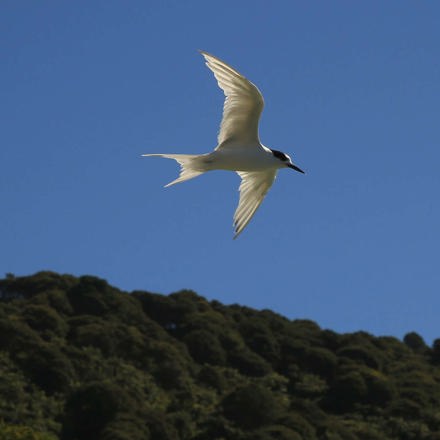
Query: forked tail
(190, 166)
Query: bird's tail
(191, 165)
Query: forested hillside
(80, 359)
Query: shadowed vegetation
(79, 359)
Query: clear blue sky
(352, 90)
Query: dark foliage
(251, 406)
(81, 360)
(90, 408)
(415, 342)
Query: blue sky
(352, 91)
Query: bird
(238, 144)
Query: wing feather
(253, 188)
(242, 107)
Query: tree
(346, 391)
(44, 320)
(80, 359)
(248, 362)
(49, 368)
(278, 432)
(436, 351)
(364, 355)
(251, 406)
(415, 342)
(90, 408)
(319, 361)
(205, 347)
(17, 432)
(91, 296)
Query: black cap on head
(284, 158)
(280, 155)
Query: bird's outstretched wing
(254, 186)
(242, 108)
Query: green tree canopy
(80, 359)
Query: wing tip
(205, 54)
(236, 235)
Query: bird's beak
(294, 167)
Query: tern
(238, 144)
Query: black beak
(294, 167)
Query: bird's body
(239, 148)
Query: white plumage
(239, 148)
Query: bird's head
(285, 160)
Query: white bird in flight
(239, 148)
